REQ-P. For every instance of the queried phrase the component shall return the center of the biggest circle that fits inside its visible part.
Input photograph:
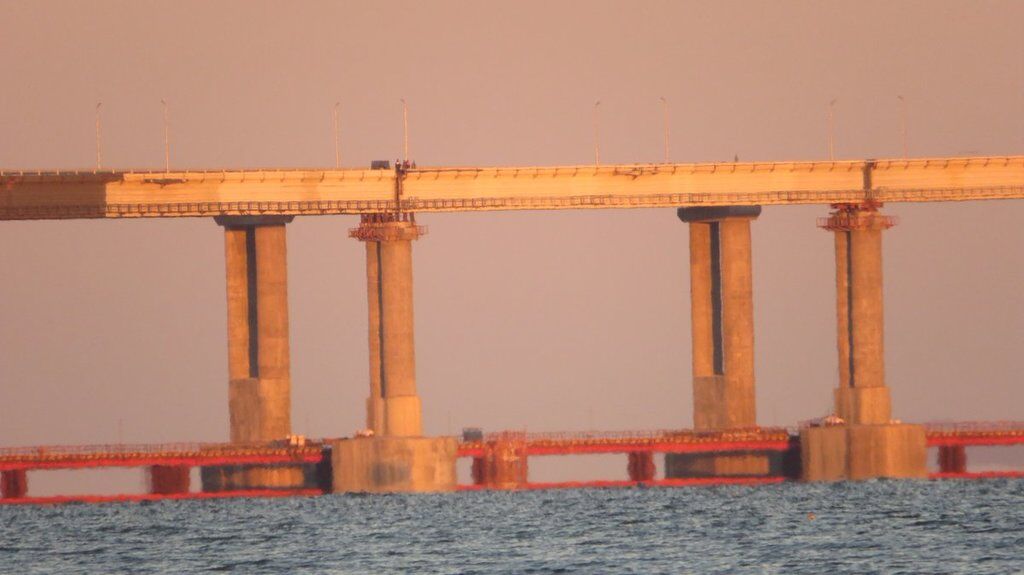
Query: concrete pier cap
(239, 221)
(712, 213)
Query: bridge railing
(145, 449)
(974, 427)
(634, 435)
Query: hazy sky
(543, 320)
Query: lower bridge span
(499, 460)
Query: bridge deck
(135, 497)
(660, 441)
(189, 193)
(667, 441)
(20, 459)
(757, 439)
(126, 455)
(975, 433)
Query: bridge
(168, 467)
(292, 192)
(499, 460)
(718, 202)
(140, 455)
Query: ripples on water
(874, 527)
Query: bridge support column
(722, 324)
(393, 407)
(13, 484)
(952, 459)
(397, 457)
(478, 471)
(504, 464)
(169, 479)
(868, 443)
(641, 466)
(259, 388)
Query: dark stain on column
(849, 302)
(716, 299)
(250, 273)
(380, 321)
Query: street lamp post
(831, 130)
(405, 131)
(664, 105)
(337, 140)
(167, 137)
(903, 125)
(99, 138)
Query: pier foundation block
(393, 464)
(245, 477)
(682, 465)
(863, 451)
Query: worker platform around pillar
(393, 464)
(863, 451)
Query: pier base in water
(394, 464)
(863, 451)
(687, 465)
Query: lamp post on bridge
(831, 129)
(337, 141)
(167, 137)
(99, 150)
(664, 105)
(903, 124)
(405, 131)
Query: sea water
(869, 527)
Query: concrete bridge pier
(13, 483)
(169, 479)
(397, 458)
(504, 465)
(722, 323)
(868, 443)
(640, 466)
(952, 459)
(259, 379)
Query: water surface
(873, 527)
